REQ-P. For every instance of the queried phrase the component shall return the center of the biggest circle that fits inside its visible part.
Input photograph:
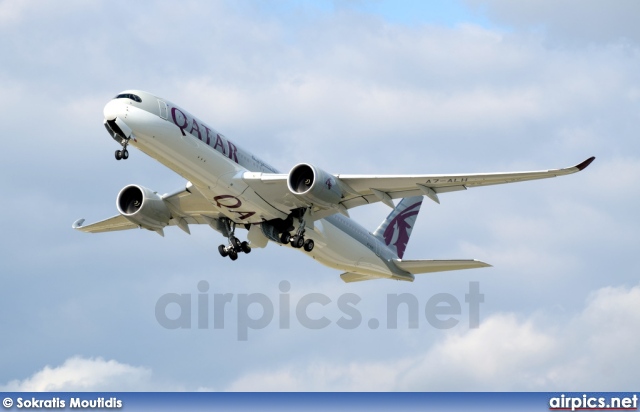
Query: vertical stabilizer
(396, 229)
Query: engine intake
(143, 207)
(314, 185)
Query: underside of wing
(371, 188)
(358, 190)
(112, 224)
(187, 206)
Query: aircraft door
(164, 111)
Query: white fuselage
(215, 165)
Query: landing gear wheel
(118, 155)
(285, 237)
(125, 154)
(245, 247)
(222, 250)
(235, 242)
(308, 245)
(297, 241)
(233, 255)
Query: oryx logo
(329, 183)
(399, 228)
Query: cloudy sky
(353, 87)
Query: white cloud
(600, 345)
(12, 11)
(15, 11)
(325, 376)
(622, 174)
(594, 350)
(569, 21)
(85, 374)
(350, 93)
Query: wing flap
(272, 187)
(429, 266)
(189, 202)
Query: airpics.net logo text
(255, 311)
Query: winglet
(77, 224)
(586, 163)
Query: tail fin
(396, 229)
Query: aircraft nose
(115, 108)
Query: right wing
(187, 206)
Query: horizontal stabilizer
(428, 266)
(349, 277)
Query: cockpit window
(129, 96)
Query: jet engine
(273, 229)
(314, 185)
(143, 207)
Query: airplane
(307, 208)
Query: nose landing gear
(124, 153)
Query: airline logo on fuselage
(198, 129)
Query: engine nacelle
(143, 207)
(314, 185)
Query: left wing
(111, 224)
(360, 190)
(430, 185)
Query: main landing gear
(297, 241)
(124, 153)
(235, 246)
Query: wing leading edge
(365, 189)
(111, 224)
(369, 187)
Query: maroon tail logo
(400, 226)
(329, 183)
